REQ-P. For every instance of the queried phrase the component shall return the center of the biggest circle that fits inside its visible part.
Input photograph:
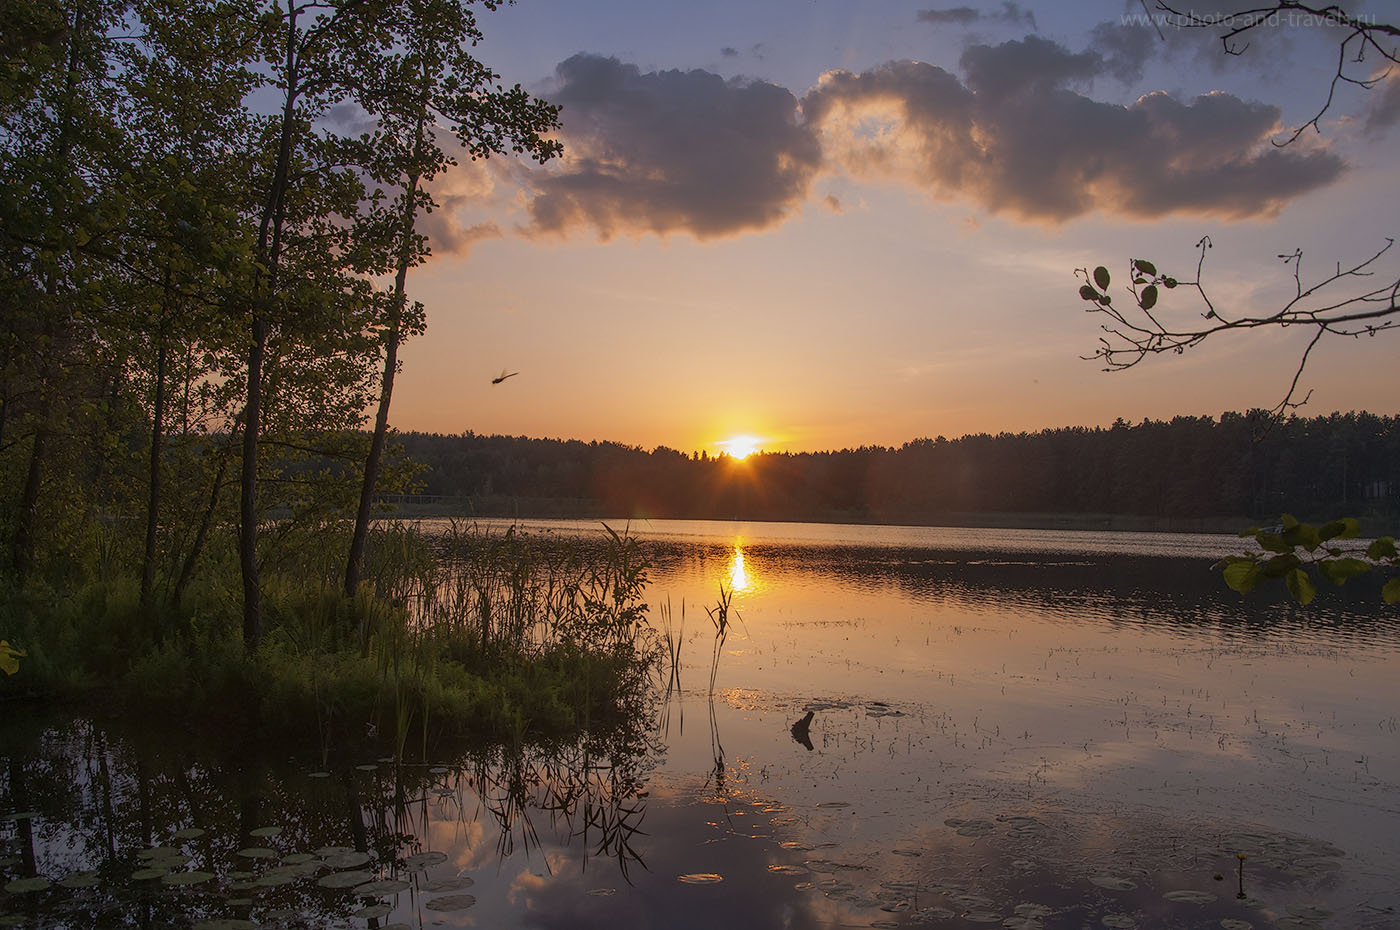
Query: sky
(833, 224)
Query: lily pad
(188, 833)
(147, 874)
(383, 886)
(299, 859)
(19, 815)
(700, 878)
(159, 852)
(333, 850)
(1118, 922)
(1187, 896)
(1230, 923)
(257, 852)
(186, 878)
(347, 860)
(80, 880)
(1113, 882)
(225, 923)
(345, 879)
(602, 892)
(368, 767)
(265, 831)
(26, 885)
(373, 912)
(982, 917)
(457, 883)
(451, 902)
(420, 861)
(787, 870)
(318, 775)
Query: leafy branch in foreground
(1289, 549)
(1343, 303)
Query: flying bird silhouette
(503, 375)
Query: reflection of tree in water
(266, 829)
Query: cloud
(672, 151)
(965, 16)
(1383, 108)
(1014, 138)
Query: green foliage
(1290, 549)
(9, 657)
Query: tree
(426, 82)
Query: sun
(740, 447)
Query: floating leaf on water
(804, 886)
(19, 815)
(241, 886)
(257, 852)
(158, 852)
(225, 923)
(373, 912)
(439, 770)
(1186, 896)
(383, 886)
(420, 861)
(1297, 923)
(1230, 923)
(345, 879)
(787, 869)
(80, 880)
(188, 833)
(834, 804)
(602, 892)
(898, 908)
(26, 885)
(319, 775)
(1119, 922)
(347, 860)
(186, 878)
(333, 850)
(368, 767)
(792, 845)
(459, 883)
(911, 853)
(1023, 923)
(700, 878)
(275, 878)
(885, 923)
(983, 917)
(145, 875)
(451, 902)
(1022, 865)
(1113, 882)
(299, 859)
(1032, 910)
(265, 831)
(976, 828)
(1309, 911)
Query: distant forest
(1239, 466)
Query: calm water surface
(1028, 729)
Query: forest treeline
(1237, 466)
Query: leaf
(1273, 542)
(1148, 300)
(1088, 293)
(1302, 534)
(1288, 521)
(1101, 277)
(1169, 283)
(9, 657)
(1280, 565)
(1241, 576)
(1391, 592)
(1300, 586)
(1383, 548)
(1339, 570)
(1146, 267)
(1345, 528)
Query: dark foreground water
(1008, 728)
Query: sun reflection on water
(740, 581)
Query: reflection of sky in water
(1075, 730)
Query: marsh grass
(476, 633)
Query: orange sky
(708, 259)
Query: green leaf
(1273, 542)
(1146, 267)
(1345, 528)
(9, 657)
(1241, 576)
(1391, 592)
(1280, 565)
(1339, 570)
(1288, 521)
(1253, 530)
(1101, 277)
(1300, 586)
(1169, 283)
(1383, 548)
(1303, 534)
(1088, 293)
(1148, 300)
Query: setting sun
(740, 447)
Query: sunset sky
(828, 224)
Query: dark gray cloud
(1014, 138)
(1009, 12)
(672, 151)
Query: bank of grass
(474, 634)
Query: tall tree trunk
(148, 564)
(192, 557)
(386, 393)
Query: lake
(908, 727)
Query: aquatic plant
(719, 616)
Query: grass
(477, 634)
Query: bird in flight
(503, 375)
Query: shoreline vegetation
(475, 635)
